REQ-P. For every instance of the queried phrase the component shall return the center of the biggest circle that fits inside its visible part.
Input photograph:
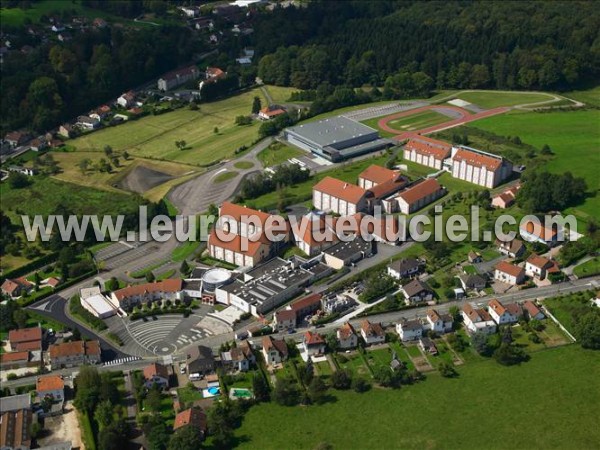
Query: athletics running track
(465, 117)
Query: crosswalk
(119, 361)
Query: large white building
(426, 151)
(96, 303)
(478, 167)
(415, 197)
(346, 199)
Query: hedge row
(30, 266)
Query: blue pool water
(213, 390)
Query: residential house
(213, 74)
(474, 257)
(504, 314)
(439, 323)
(427, 151)
(539, 267)
(409, 330)
(50, 386)
(532, 311)
(16, 138)
(375, 175)
(237, 359)
(87, 122)
(178, 77)
(274, 350)
(19, 359)
(372, 333)
(506, 198)
(428, 346)
(190, 11)
(73, 354)
(481, 168)
(169, 289)
(477, 320)
(38, 144)
(15, 288)
(200, 360)
(346, 337)
(98, 22)
(509, 273)
(513, 249)
(192, 417)
(156, 374)
(405, 268)
(472, 282)
(270, 112)
(340, 197)
(25, 339)
(417, 196)
(127, 100)
(284, 320)
(536, 232)
(337, 303)
(306, 305)
(313, 343)
(416, 291)
(101, 112)
(66, 130)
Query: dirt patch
(141, 179)
(62, 428)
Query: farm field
(154, 136)
(514, 401)
(412, 122)
(573, 136)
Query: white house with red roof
(372, 333)
(270, 112)
(504, 314)
(506, 198)
(477, 320)
(16, 287)
(535, 231)
(375, 175)
(346, 336)
(415, 197)
(314, 232)
(427, 151)
(509, 273)
(341, 197)
(478, 167)
(284, 320)
(539, 266)
(313, 343)
(178, 77)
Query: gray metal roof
(331, 130)
(15, 403)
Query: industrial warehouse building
(335, 138)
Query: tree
(84, 165)
(359, 385)
(115, 161)
(341, 379)
(316, 390)
(188, 438)
(104, 413)
(108, 151)
(20, 317)
(510, 354)
(260, 388)
(87, 388)
(156, 433)
(125, 154)
(112, 284)
(17, 180)
(447, 370)
(222, 418)
(332, 342)
(479, 341)
(256, 105)
(216, 130)
(108, 389)
(546, 150)
(185, 267)
(587, 330)
(153, 398)
(286, 392)
(181, 145)
(150, 276)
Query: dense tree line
(263, 182)
(504, 45)
(543, 191)
(55, 82)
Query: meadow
(573, 136)
(210, 133)
(277, 153)
(17, 16)
(539, 404)
(492, 99)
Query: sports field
(540, 404)
(573, 136)
(491, 99)
(417, 121)
(154, 136)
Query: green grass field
(540, 404)
(225, 176)
(573, 136)
(243, 165)
(491, 99)
(280, 94)
(589, 97)
(154, 136)
(412, 122)
(17, 16)
(278, 153)
(588, 268)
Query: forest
(464, 45)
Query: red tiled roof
(74, 348)
(214, 72)
(420, 190)
(371, 329)
(477, 159)
(378, 174)
(52, 281)
(427, 146)
(25, 335)
(388, 187)
(278, 344)
(305, 302)
(241, 213)
(285, 315)
(181, 72)
(539, 261)
(311, 338)
(509, 268)
(531, 308)
(192, 416)
(497, 307)
(27, 346)
(433, 315)
(317, 230)
(539, 230)
(340, 189)
(272, 112)
(49, 383)
(346, 330)
(14, 356)
(169, 285)
(156, 369)
(234, 243)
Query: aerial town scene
(299, 224)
